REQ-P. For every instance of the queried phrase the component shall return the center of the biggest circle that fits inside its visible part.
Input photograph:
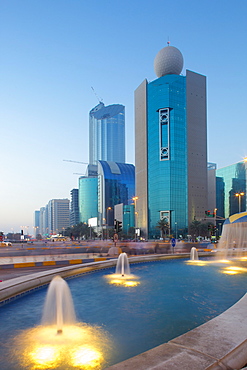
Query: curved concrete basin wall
(219, 344)
(13, 287)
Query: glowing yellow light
(116, 281)
(196, 262)
(131, 283)
(45, 356)
(224, 261)
(233, 270)
(86, 355)
(236, 268)
(40, 348)
(230, 272)
(124, 282)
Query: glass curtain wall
(167, 153)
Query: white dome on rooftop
(169, 60)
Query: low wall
(219, 344)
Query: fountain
(122, 275)
(122, 267)
(28, 345)
(193, 254)
(59, 308)
(61, 342)
(233, 241)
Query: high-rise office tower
(231, 189)
(171, 146)
(74, 207)
(58, 215)
(88, 197)
(36, 223)
(107, 133)
(42, 221)
(116, 185)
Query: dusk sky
(53, 52)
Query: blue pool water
(172, 297)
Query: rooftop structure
(107, 133)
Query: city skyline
(52, 55)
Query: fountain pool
(171, 298)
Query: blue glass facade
(231, 180)
(74, 207)
(116, 185)
(128, 217)
(171, 152)
(88, 198)
(107, 133)
(167, 152)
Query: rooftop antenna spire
(99, 99)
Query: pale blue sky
(52, 52)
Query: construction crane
(69, 160)
(75, 173)
(99, 99)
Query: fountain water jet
(80, 345)
(58, 308)
(193, 254)
(122, 267)
(122, 275)
(233, 241)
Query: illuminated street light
(239, 195)
(135, 199)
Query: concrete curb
(52, 263)
(219, 344)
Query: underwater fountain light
(233, 270)
(122, 275)
(79, 346)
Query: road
(6, 274)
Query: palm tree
(163, 226)
(200, 228)
(195, 227)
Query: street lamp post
(215, 222)
(135, 199)
(239, 195)
(108, 221)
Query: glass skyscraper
(74, 207)
(171, 146)
(231, 180)
(107, 133)
(116, 184)
(88, 198)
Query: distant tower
(116, 185)
(231, 194)
(107, 133)
(58, 215)
(36, 223)
(74, 207)
(171, 146)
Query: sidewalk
(49, 260)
